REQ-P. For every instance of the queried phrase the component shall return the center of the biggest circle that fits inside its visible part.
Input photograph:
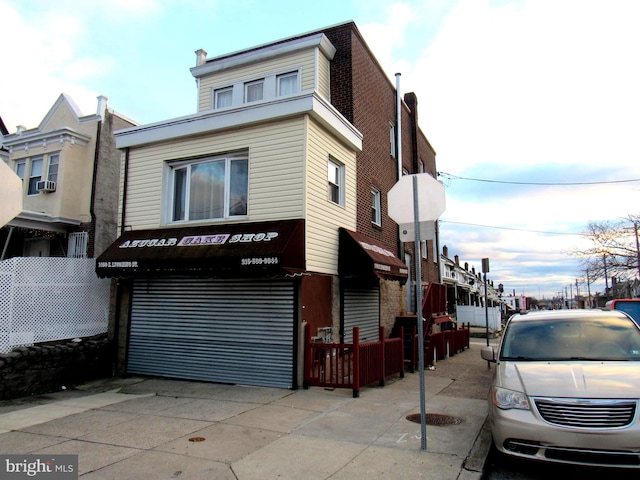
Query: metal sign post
(416, 221)
(415, 215)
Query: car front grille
(586, 413)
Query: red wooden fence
(352, 365)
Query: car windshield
(595, 339)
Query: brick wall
(363, 93)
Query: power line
(511, 228)
(456, 177)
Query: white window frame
(335, 181)
(250, 84)
(376, 208)
(392, 140)
(33, 178)
(282, 76)
(217, 92)
(172, 167)
(53, 168)
(21, 165)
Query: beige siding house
(232, 222)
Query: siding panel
(303, 60)
(323, 217)
(276, 175)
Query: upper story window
(52, 169)
(223, 97)
(21, 168)
(335, 177)
(254, 91)
(35, 176)
(268, 88)
(209, 189)
(287, 83)
(392, 140)
(376, 213)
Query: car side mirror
(488, 353)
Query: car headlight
(507, 399)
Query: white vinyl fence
(476, 316)
(50, 298)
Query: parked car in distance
(566, 388)
(631, 306)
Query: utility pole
(606, 279)
(589, 289)
(635, 228)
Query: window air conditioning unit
(46, 186)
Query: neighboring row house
(4, 153)
(69, 166)
(265, 211)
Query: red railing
(437, 346)
(352, 365)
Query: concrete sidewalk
(157, 428)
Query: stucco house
(265, 212)
(69, 167)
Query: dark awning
(362, 256)
(242, 249)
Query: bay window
(209, 189)
(52, 169)
(35, 176)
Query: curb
(475, 461)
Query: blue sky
(530, 91)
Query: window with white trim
(392, 140)
(376, 212)
(335, 181)
(254, 91)
(35, 175)
(52, 168)
(212, 188)
(21, 169)
(287, 84)
(223, 97)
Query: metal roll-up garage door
(229, 331)
(361, 309)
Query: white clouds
(41, 62)
(386, 38)
(529, 81)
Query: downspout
(125, 183)
(92, 213)
(399, 155)
(398, 126)
(117, 367)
